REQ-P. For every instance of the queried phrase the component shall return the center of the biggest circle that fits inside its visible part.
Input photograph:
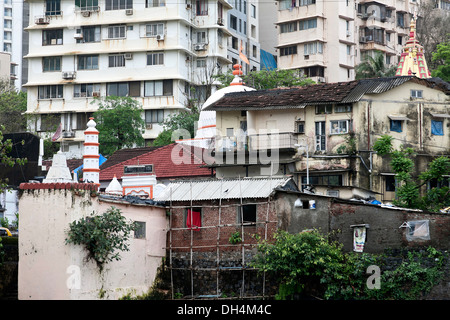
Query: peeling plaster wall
(49, 269)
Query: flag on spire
(242, 55)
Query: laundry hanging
(194, 220)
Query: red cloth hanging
(196, 220)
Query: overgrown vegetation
(104, 236)
(310, 264)
(408, 187)
(178, 126)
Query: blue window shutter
(396, 125)
(437, 128)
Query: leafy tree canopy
(265, 79)
(178, 126)
(120, 124)
(442, 55)
(374, 67)
(13, 104)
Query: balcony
(257, 142)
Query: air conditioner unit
(128, 56)
(68, 134)
(129, 12)
(362, 39)
(68, 75)
(96, 94)
(306, 56)
(199, 47)
(160, 37)
(321, 79)
(41, 21)
(85, 13)
(78, 36)
(149, 126)
(220, 21)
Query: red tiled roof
(163, 165)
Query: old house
(323, 134)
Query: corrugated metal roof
(221, 189)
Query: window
(193, 219)
(201, 7)
(118, 4)
(339, 126)
(324, 109)
(247, 215)
(158, 88)
(52, 37)
(288, 27)
(86, 5)
(307, 24)
(154, 116)
(313, 47)
(152, 30)
(253, 10)
(234, 44)
(306, 2)
(88, 62)
(233, 22)
(155, 58)
(320, 136)
(288, 50)
(396, 125)
(437, 127)
(416, 93)
(51, 92)
(119, 89)
(343, 108)
(82, 119)
(53, 8)
(90, 34)
(201, 63)
(49, 122)
(155, 3)
(390, 183)
(300, 126)
(325, 180)
(201, 37)
(116, 32)
(86, 90)
(51, 64)
(255, 51)
(116, 60)
(139, 231)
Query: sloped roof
(326, 93)
(214, 189)
(125, 154)
(163, 165)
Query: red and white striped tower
(91, 170)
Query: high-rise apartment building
(243, 23)
(154, 51)
(326, 40)
(11, 40)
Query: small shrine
(412, 60)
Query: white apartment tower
(152, 50)
(325, 40)
(11, 37)
(243, 23)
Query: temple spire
(412, 60)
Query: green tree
(6, 159)
(183, 122)
(120, 124)
(103, 236)
(374, 67)
(408, 187)
(13, 104)
(442, 57)
(265, 79)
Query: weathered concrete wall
(51, 269)
(332, 215)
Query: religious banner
(359, 238)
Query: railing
(255, 142)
